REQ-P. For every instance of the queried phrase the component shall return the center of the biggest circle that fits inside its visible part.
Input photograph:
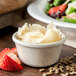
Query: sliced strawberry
(14, 50)
(60, 8)
(3, 52)
(14, 57)
(7, 51)
(9, 64)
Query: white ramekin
(38, 55)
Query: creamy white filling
(37, 33)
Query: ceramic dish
(38, 55)
(35, 9)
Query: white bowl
(36, 8)
(38, 55)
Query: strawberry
(8, 64)
(14, 50)
(14, 57)
(7, 51)
(3, 52)
(60, 8)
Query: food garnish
(9, 60)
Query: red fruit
(63, 7)
(14, 57)
(53, 10)
(60, 8)
(7, 51)
(14, 50)
(3, 52)
(9, 64)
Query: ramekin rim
(37, 45)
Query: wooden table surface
(6, 41)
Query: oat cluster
(65, 67)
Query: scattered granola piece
(41, 70)
(71, 57)
(73, 65)
(44, 74)
(54, 68)
(67, 68)
(61, 60)
(56, 65)
(51, 68)
(71, 61)
(71, 69)
(73, 73)
(61, 68)
(49, 73)
(59, 63)
(56, 71)
(66, 74)
(66, 58)
(65, 62)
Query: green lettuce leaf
(58, 2)
(73, 0)
(69, 20)
(72, 10)
(47, 7)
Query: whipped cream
(38, 34)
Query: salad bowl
(36, 10)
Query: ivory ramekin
(38, 55)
